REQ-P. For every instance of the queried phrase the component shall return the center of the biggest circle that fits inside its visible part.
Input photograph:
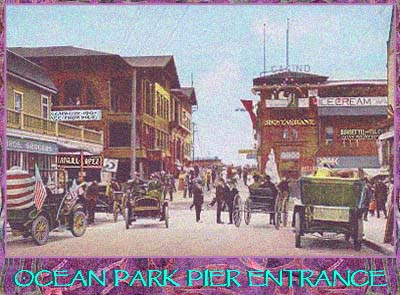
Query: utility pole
(193, 131)
(287, 45)
(264, 53)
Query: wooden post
(133, 125)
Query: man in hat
(91, 200)
(198, 198)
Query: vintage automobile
(141, 200)
(61, 208)
(330, 205)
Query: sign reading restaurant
(291, 122)
(352, 101)
(76, 115)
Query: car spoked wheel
(79, 224)
(40, 230)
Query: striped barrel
(20, 187)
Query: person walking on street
(229, 196)
(208, 179)
(171, 187)
(198, 198)
(381, 198)
(239, 171)
(220, 191)
(245, 175)
(368, 196)
(389, 234)
(186, 185)
(91, 200)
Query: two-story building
(32, 138)
(95, 91)
(309, 120)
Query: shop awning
(31, 146)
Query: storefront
(25, 153)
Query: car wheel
(78, 223)
(40, 230)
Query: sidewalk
(374, 231)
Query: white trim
(22, 101)
(42, 104)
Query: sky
(222, 46)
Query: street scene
(237, 135)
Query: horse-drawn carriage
(144, 200)
(261, 200)
(330, 204)
(61, 207)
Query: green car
(330, 205)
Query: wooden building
(32, 138)
(309, 120)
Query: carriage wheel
(166, 216)
(40, 230)
(237, 212)
(277, 215)
(246, 212)
(297, 226)
(127, 218)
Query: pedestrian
(198, 198)
(171, 187)
(229, 197)
(368, 196)
(186, 185)
(191, 183)
(91, 201)
(220, 190)
(208, 179)
(283, 196)
(213, 174)
(381, 198)
(239, 171)
(245, 175)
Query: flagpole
(264, 53)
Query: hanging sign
(76, 115)
(74, 161)
(110, 165)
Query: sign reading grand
(291, 122)
(352, 101)
(76, 115)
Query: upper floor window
(18, 97)
(72, 92)
(329, 136)
(45, 107)
(91, 99)
(285, 134)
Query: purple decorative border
(11, 265)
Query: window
(329, 134)
(285, 134)
(18, 97)
(120, 135)
(72, 92)
(45, 107)
(91, 99)
(295, 134)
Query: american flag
(39, 194)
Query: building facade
(32, 138)
(309, 121)
(99, 84)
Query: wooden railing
(27, 122)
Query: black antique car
(143, 200)
(61, 208)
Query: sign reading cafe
(78, 115)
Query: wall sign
(291, 122)
(76, 115)
(360, 134)
(293, 68)
(31, 146)
(290, 155)
(303, 102)
(352, 101)
(74, 161)
(110, 165)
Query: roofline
(26, 47)
(54, 91)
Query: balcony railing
(27, 122)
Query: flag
(248, 105)
(39, 194)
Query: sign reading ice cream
(352, 101)
(76, 115)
